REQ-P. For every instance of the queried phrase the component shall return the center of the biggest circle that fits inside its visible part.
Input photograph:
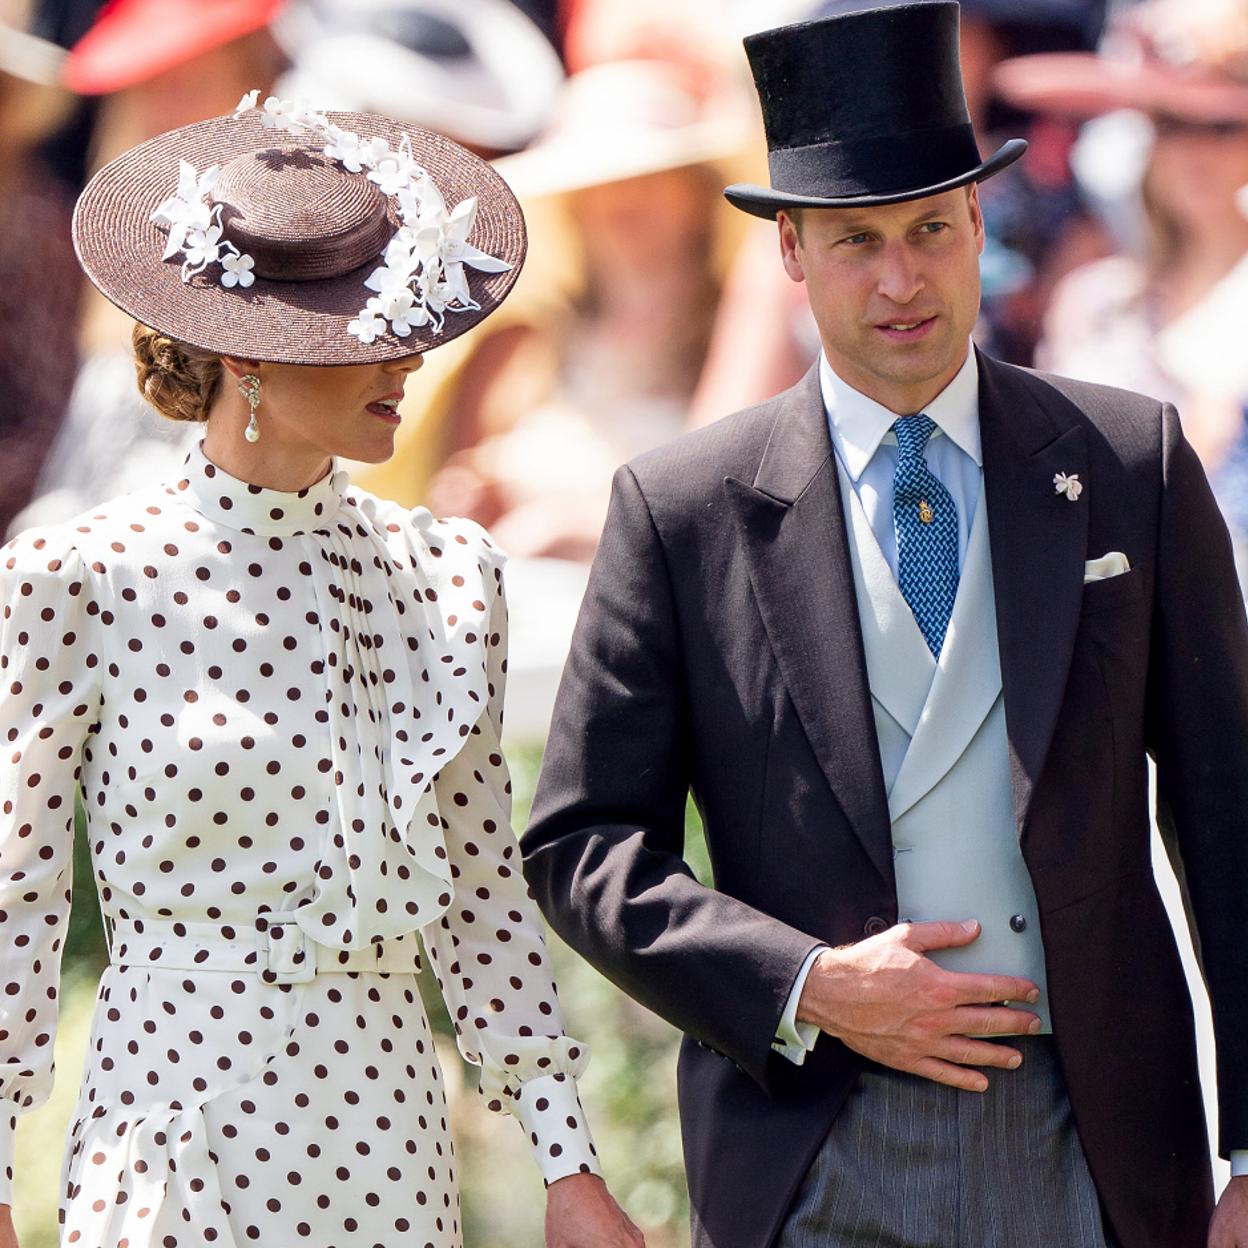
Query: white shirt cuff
(1239, 1162)
(793, 1039)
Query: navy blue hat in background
(864, 107)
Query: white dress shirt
(867, 450)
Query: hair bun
(179, 381)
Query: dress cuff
(793, 1039)
(550, 1109)
(8, 1127)
(1239, 1162)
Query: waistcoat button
(875, 925)
(1018, 923)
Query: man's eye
(855, 240)
(933, 227)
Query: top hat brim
(762, 201)
(291, 321)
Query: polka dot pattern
(273, 702)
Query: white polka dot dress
(284, 712)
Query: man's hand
(884, 999)
(1229, 1227)
(581, 1213)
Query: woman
(282, 697)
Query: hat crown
(863, 74)
(300, 215)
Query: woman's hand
(8, 1236)
(581, 1213)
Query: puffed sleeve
(488, 951)
(49, 698)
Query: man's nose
(899, 279)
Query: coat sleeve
(1197, 726)
(49, 698)
(604, 848)
(488, 950)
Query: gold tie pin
(926, 514)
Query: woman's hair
(178, 380)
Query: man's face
(894, 290)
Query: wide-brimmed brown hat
(274, 249)
(1182, 58)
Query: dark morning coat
(718, 651)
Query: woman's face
(305, 410)
(1195, 170)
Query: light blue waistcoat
(941, 729)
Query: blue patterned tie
(925, 520)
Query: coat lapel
(792, 529)
(1039, 543)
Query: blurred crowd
(1117, 250)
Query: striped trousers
(913, 1164)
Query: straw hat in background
(479, 71)
(627, 119)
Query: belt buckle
(286, 957)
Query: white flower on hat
(202, 248)
(368, 324)
(247, 103)
(422, 276)
(344, 147)
(237, 270)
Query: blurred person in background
(40, 285)
(1037, 227)
(607, 369)
(1166, 316)
(155, 64)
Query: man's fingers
(986, 1020)
(965, 1051)
(941, 935)
(971, 989)
(963, 1077)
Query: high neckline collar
(255, 509)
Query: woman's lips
(386, 411)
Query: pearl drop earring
(249, 388)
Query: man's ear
(790, 247)
(977, 216)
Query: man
(907, 633)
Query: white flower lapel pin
(1068, 483)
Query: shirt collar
(253, 508)
(858, 424)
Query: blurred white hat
(626, 119)
(28, 57)
(478, 71)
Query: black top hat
(865, 107)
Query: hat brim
(762, 201)
(288, 322)
(1082, 85)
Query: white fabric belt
(276, 948)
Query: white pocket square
(1113, 564)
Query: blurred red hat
(134, 40)
(1186, 58)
